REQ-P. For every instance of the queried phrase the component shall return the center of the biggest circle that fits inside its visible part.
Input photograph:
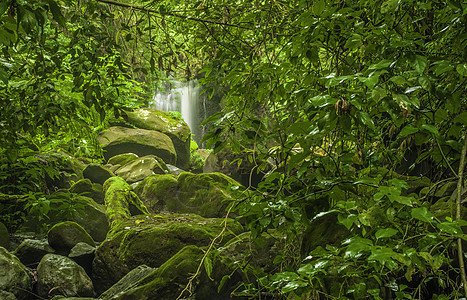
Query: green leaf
(223, 281)
(4, 6)
(430, 128)
(380, 65)
(57, 13)
(318, 7)
(384, 233)
(407, 130)
(208, 265)
(462, 69)
(419, 63)
(461, 118)
(4, 76)
(422, 214)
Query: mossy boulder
(65, 235)
(14, 276)
(140, 168)
(86, 188)
(120, 201)
(92, 216)
(97, 173)
(175, 128)
(203, 194)
(128, 282)
(169, 280)
(152, 240)
(119, 140)
(60, 275)
(122, 159)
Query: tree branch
(148, 10)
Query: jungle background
(351, 108)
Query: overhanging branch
(148, 10)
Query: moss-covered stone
(86, 188)
(119, 140)
(169, 280)
(30, 252)
(121, 203)
(60, 275)
(176, 129)
(65, 235)
(122, 159)
(142, 167)
(14, 277)
(97, 173)
(127, 282)
(203, 194)
(93, 218)
(152, 240)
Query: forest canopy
(350, 108)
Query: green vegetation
(360, 106)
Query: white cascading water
(185, 98)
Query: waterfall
(185, 98)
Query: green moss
(122, 159)
(169, 279)
(152, 240)
(65, 235)
(120, 201)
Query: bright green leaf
(384, 233)
(422, 214)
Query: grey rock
(141, 168)
(122, 159)
(127, 282)
(31, 251)
(92, 190)
(83, 255)
(60, 275)
(97, 173)
(14, 277)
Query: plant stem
(458, 213)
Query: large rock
(169, 280)
(119, 140)
(14, 277)
(175, 128)
(83, 255)
(122, 159)
(151, 240)
(129, 281)
(142, 167)
(91, 216)
(80, 209)
(120, 201)
(65, 235)
(30, 251)
(86, 188)
(97, 173)
(203, 194)
(60, 275)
